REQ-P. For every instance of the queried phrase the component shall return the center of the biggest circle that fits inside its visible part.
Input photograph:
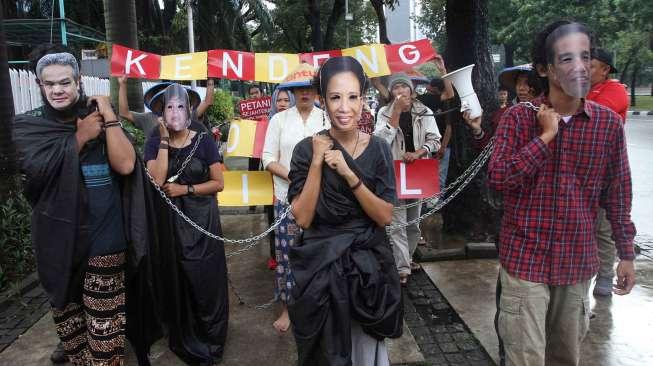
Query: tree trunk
(7, 150)
(633, 84)
(509, 51)
(336, 14)
(468, 42)
(380, 16)
(313, 19)
(120, 25)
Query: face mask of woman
(176, 115)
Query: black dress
(192, 291)
(343, 264)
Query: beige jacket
(425, 131)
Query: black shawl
(343, 264)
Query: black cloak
(343, 264)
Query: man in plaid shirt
(556, 167)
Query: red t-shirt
(611, 94)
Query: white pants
(404, 241)
(366, 350)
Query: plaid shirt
(552, 193)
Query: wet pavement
(463, 300)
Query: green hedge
(16, 253)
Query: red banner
(316, 59)
(134, 63)
(408, 55)
(234, 65)
(259, 138)
(419, 179)
(255, 108)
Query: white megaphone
(462, 81)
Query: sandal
(403, 279)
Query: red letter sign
(234, 65)
(134, 63)
(419, 179)
(407, 55)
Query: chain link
(192, 223)
(187, 160)
(469, 174)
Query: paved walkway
(251, 341)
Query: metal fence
(27, 95)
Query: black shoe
(58, 355)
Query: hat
(156, 103)
(604, 56)
(300, 77)
(400, 78)
(508, 76)
(154, 90)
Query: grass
(644, 103)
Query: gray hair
(62, 58)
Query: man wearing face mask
(612, 94)
(556, 164)
(410, 129)
(75, 155)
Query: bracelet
(163, 146)
(165, 138)
(358, 184)
(110, 124)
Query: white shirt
(287, 129)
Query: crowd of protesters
(103, 235)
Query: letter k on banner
(134, 63)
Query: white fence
(27, 95)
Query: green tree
(120, 23)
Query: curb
(26, 285)
(640, 113)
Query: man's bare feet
(283, 323)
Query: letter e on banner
(134, 63)
(245, 188)
(404, 56)
(318, 58)
(419, 179)
(234, 65)
(184, 66)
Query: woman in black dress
(192, 295)
(347, 296)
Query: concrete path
(251, 341)
(619, 331)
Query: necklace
(358, 135)
(184, 143)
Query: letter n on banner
(404, 56)
(274, 67)
(185, 66)
(241, 138)
(234, 65)
(244, 188)
(134, 63)
(372, 57)
(419, 179)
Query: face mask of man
(571, 64)
(176, 115)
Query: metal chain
(187, 160)
(482, 159)
(243, 302)
(192, 223)
(531, 106)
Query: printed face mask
(571, 65)
(176, 115)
